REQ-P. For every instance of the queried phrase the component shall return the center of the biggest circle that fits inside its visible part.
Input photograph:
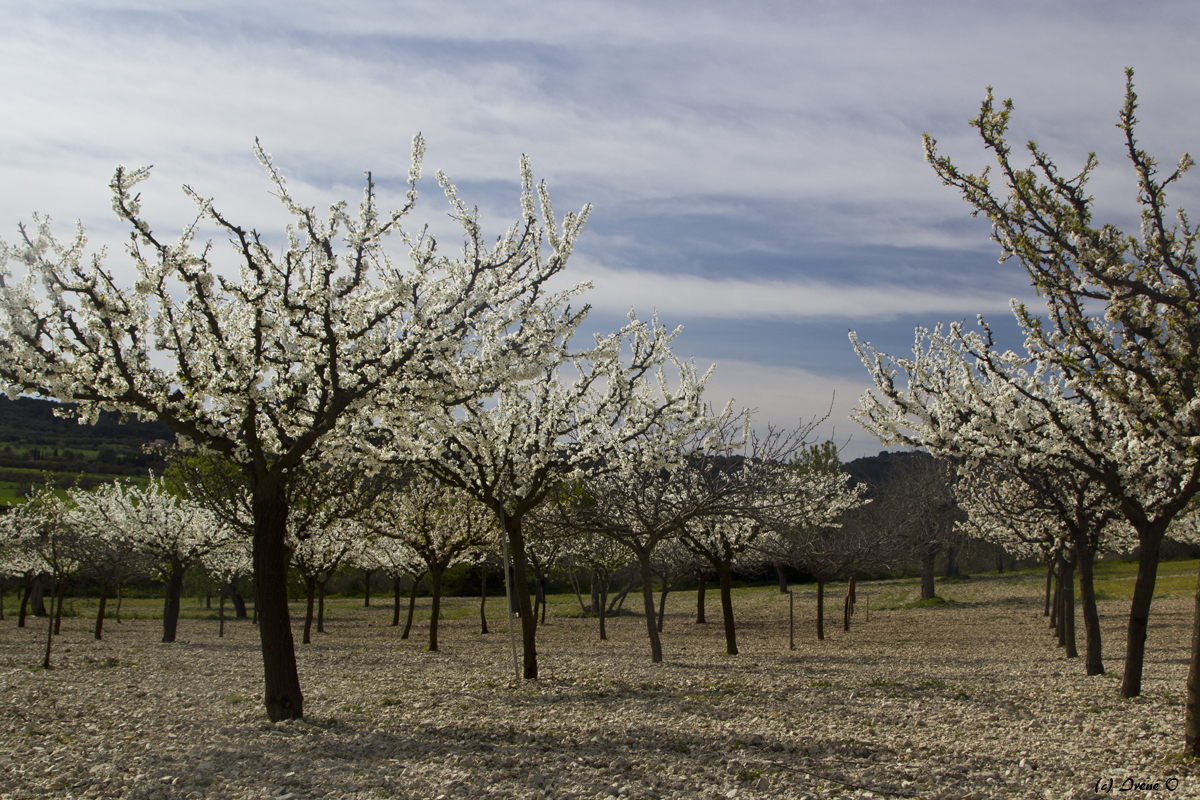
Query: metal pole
(512, 632)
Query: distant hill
(33, 440)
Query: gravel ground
(967, 700)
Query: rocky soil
(968, 700)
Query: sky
(755, 169)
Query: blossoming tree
(263, 361)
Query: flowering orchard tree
(441, 525)
(317, 557)
(511, 452)
(1139, 355)
(225, 564)
(965, 400)
(37, 537)
(263, 362)
(1055, 512)
(172, 534)
(395, 559)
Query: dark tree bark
(435, 607)
(62, 590)
(700, 592)
(726, 574)
(239, 603)
(595, 592)
(952, 561)
(928, 590)
(171, 603)
(207, 599)
(779, 570)
(516, 543)
(603, 605)
(412, 604)
(120, 597)
(367, 589)
(99, 632)
(221, 615)
(1056, 606)
(310, 596)
(1049, 578)
(25, 593)
(820, 608)
(38, 599)
(662, 604)
(1000, 563)
(281, 695)
(848, 604)
(483, 576)
(1139, 613)
(321, 605)
(542, 583)
(1093, 658)
(395, 601)
(648, 605)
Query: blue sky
(755, 168)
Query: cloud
(691, 296)
(788, 397)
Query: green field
(1113, 581)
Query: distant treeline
(33, 438)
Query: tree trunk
(1191, 724)
(1056, 606)
(367, 589)
(436, 576)
(396, 601)
(1, 599)
(1139, 613)
(1068, 609)
(310, 596)
(483, 575)
(928, 591)
(50, 619)
(537, 597)
(120, 597)
(239, 603)
(62, 590)
(662, 604)
(38, 599)
(1094, 661)
(321, 604)
(648, 605)
(952, 561)
(412, 604)
(848, 604)
(516, 544)
(99, 633)
(542, 585)
(603, 606)
(583, 609)
(1000, 563)
(726, 572)
(221, 615)
(700, 591)
(208, 599)
(595, 591)
(281, 680)
(26, 591)
(1049, 576)
(779, 570)
(820, 608)
(171, 603)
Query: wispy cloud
(678, 295)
